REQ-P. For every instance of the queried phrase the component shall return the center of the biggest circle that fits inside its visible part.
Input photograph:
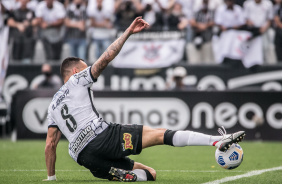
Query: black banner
(217, 77)
(258, 113)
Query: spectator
(187, 7)
(126, 12)
(240, 2)
(75, 24)
(108, 5)
(22, 21)
(11, 5)
(229, 16)
(178, 75)
(278, 30)
(47, 79)
(200, 51)
(188, 10)
(156, 13)
(32, 5)
(51, 14)
(176, 17)
(152, 17)
(1, 15)
(259, 14)
(213, 5)
(160, 5)
(4, 48)
(102, 23)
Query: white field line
(248, 174)
(44, 170)
(204, 171)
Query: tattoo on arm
(111, 52)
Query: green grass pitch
(23, 162)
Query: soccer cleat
(123, 175)
(228, 139)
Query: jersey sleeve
(84, 78)
(51, 122)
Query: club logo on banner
(151, 50)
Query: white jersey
(73, 112)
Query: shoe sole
(225, 146)
(115, 172)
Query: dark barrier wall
(258, 113)
(201, 77)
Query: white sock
(190, 138)
(141, 174)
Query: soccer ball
(231, 158)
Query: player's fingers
(144, 22)
(143, 27)
(138, 18)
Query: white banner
(150, 53)
(234, 44)
(4, 54)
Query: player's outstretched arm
(112, 51)
(53, 137)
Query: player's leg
(139, 172)
(144, 173)
(152, 137)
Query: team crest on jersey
(127, 141)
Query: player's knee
(154, 174)
(151, 174)
(160, 136)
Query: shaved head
(69, 64)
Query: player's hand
(138, 25)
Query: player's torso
(71, 109)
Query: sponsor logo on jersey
(82, 139)
(127, 141)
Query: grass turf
(24, 162)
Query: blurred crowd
(82, 23)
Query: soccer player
(100, 146)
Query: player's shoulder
(59, 96)
(83, 78)
(82, 73)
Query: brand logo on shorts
(127, 141)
